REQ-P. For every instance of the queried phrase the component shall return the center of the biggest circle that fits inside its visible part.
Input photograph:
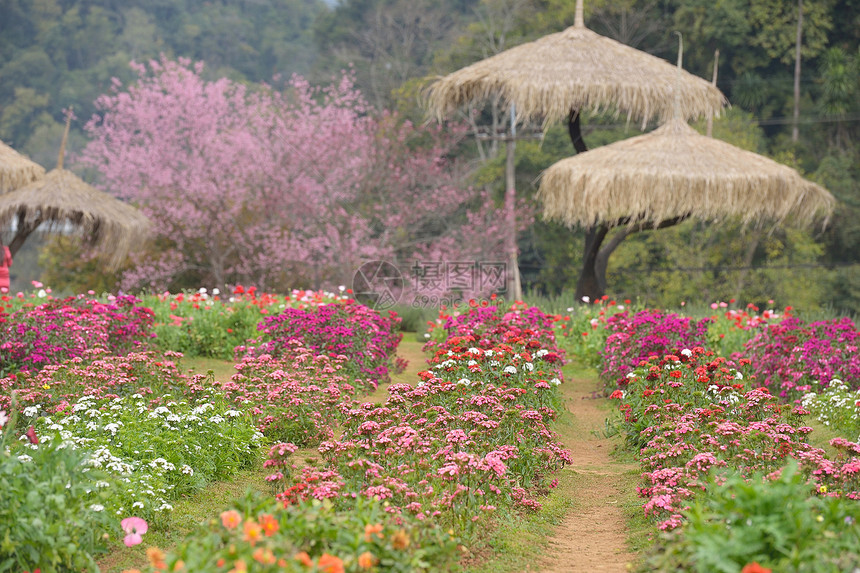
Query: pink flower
(135, 527)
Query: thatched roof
(674, 171)
(62, 198)
(576, 69)
(16, 170)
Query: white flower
(542, 352)
(631, 375)
(341, 288)
(233, 413)
(488, 353)
(570, 309)
(687, 352)
(586, 299)
(473, 350)
(426, 335)
(216, 419)
(187, 470)
(31, 411)
(97, 507)
(42, 293)
(510, 369)
(471, 363)
(594, 322)
(739, 376)
(555, 381)
(464, 381)
(216, 291)
(137, 504)
(529, 366)
(24, 458)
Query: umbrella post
(514, 287)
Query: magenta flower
(135, 527)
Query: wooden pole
(710, 130)
(513, 285)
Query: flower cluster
(34, 336)
(365, 337)
(836, 406)
(790, 356)
(647, 333)
(259, 534)
(293, 398)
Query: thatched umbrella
(555, 77)
(16, 170)
(671, 174)
(560, 75)
(60, 199)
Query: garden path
(593, 535)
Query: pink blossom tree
(250, 185)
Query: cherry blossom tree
(279, 189)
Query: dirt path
(593, 535)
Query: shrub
(772, 521)
(52, 515)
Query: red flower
(754, 567)
(31, 435)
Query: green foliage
(52, 515)
(774, 522)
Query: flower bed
(32, 337)
(646, 334)
(470, 437)
(203, 323)
(694, 421)
(793, 357)
(366, 338)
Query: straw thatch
(62, 198)
(576, 69)
(675, 172)
(16, 170)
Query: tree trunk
(795, 132)
(23, 231)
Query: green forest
(56, 54)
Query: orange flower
(303, 558)
(366, 560)
(754, 567)
(253, 531)
(269, 524)
(400, 540)
(179, 565)
(156, 558)
(330, 564)
(231, 519)
(239, 567)
(131, 571)
(369, 530)
(264, 556)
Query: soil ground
(593, 535)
